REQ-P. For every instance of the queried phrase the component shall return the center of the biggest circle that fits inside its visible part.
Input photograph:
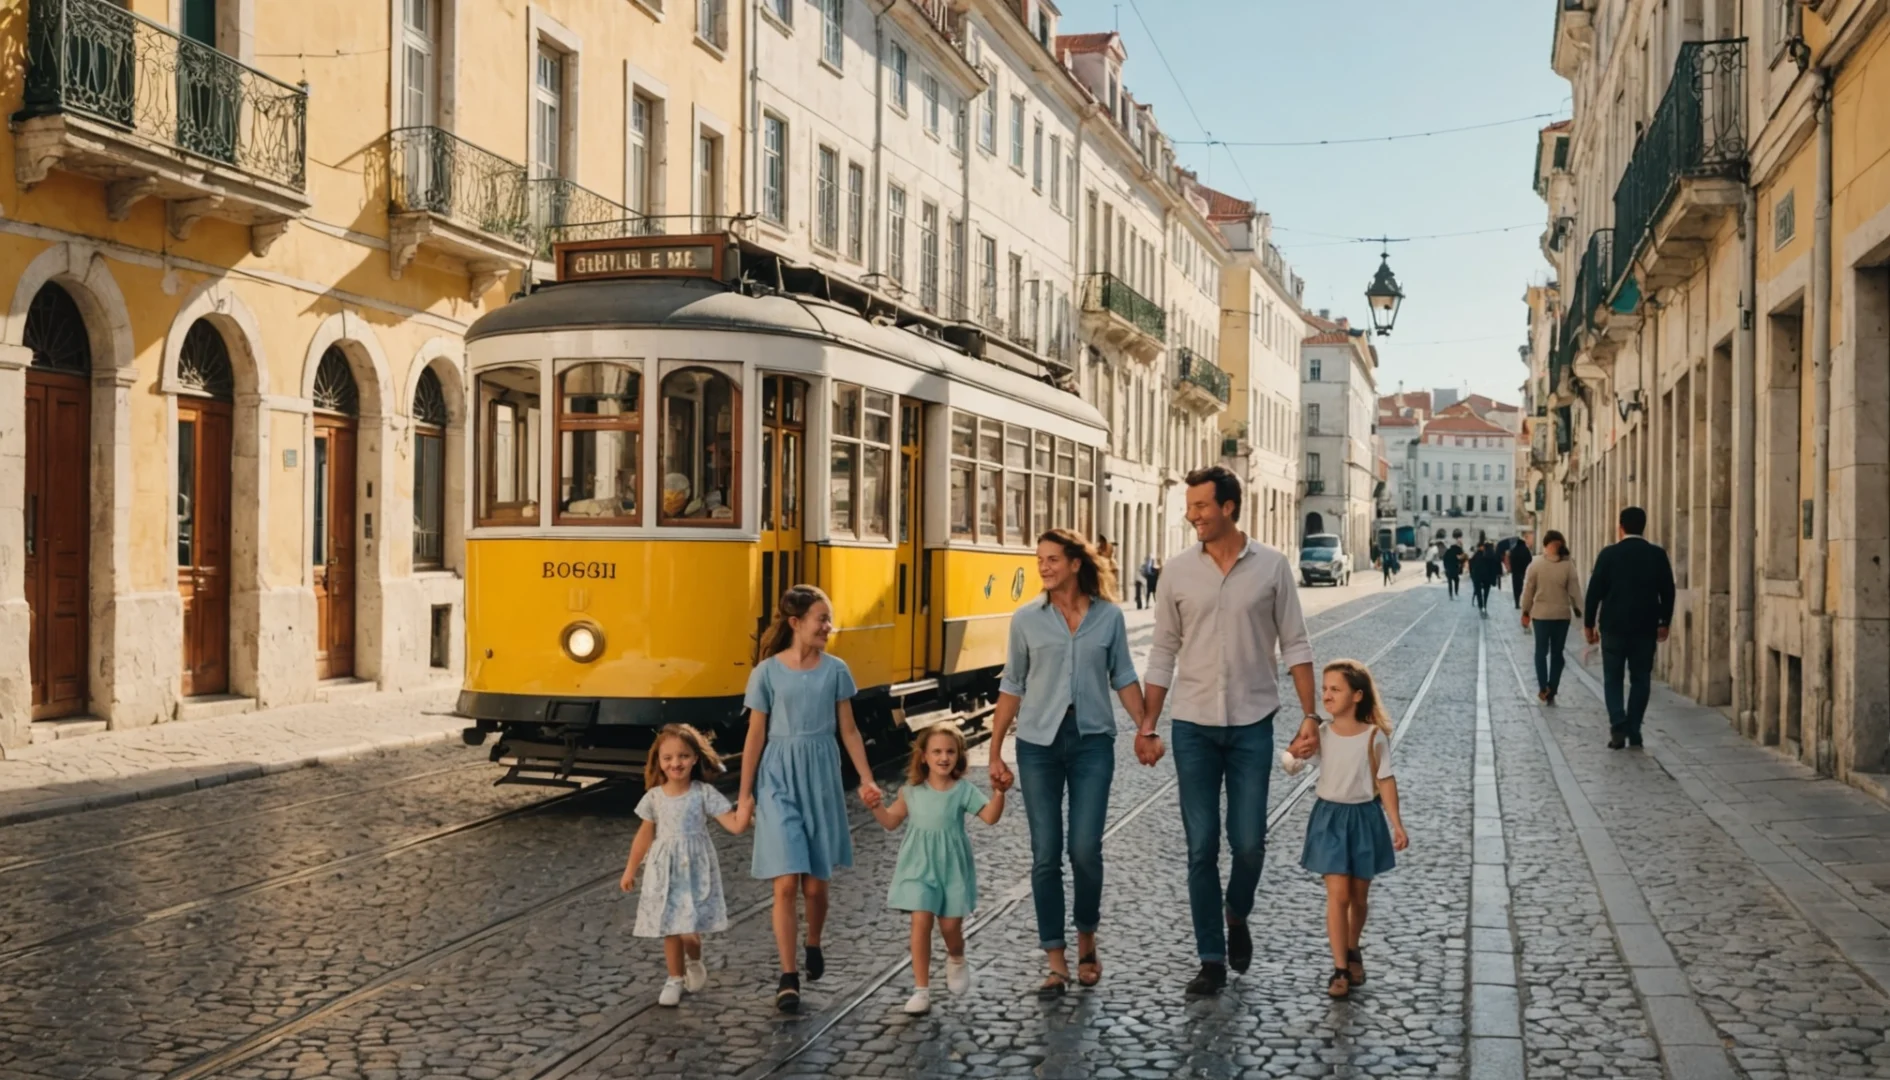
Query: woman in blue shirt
(1069, 650)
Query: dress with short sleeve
(935, 871)
(682, 877)
(800, 801)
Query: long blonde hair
(1371, 706)
(794, 604)
(915, 768)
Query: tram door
(911, 599)
(783, 448)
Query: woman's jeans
(1551, 638)
(1085, 765)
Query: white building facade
(1262, 325)
(1339, 401)
(1462, 466)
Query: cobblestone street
(1697, 909)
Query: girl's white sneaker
(672, 993)
(957, 975)
(920, 1002)
(695, 975)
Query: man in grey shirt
(1228, 614)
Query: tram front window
(600, 444)
(508, 446)
(698, 451)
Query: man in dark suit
(1629, 606)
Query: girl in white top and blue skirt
(1348, 841)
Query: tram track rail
(559, 1062)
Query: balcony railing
(950, 24)
(1698, 131)
(1593, 283)
(1315, 487)
(96, 59)
(566, 210)
(440, 173)
(1106, 292)
(1190, 367)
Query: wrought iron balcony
(111, 94)
(567, 210)
(1195, 372)
(1315, 487)
(459, 199)
(1124, 316)
(1593, 282)
(1697, 140)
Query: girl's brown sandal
(1340, 985)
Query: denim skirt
(1348, 838)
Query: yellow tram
(679, 429)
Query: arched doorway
(1315, 523)
(206, 388)
(58, 501)
(337, 407)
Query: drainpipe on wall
(751, 108)
(1821, 434)
(1745, 471)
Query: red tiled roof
(1460, 424)
(1085, 43)
(1487, 405)
(1394, 420)
(1419, 400)
(1559, 125)
(1224, 207)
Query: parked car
(1321, 558)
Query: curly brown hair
(1095, 572)
(915, 768)
(708, 763)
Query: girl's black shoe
(816, 964)
(787, 998)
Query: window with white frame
(896, 233)
(860, 473)
(1036, 156)
(642, 162)
(1501, 470)
(419, 63)
(928, 93)
(1017, 133)
(955, 266)
(988, 279)
(856, 212)
(827, 225)
(1312, 467)
(1312, 369)
(711, 22)
(1486, 472)
(896, 61)
(960, 123)
(928, 256)
(548, 110)
(1056, 172)
(782, 9)
(773, 168)
(708, 177)
(987, 113)
(1017, 295)
(833, 37)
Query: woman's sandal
(1092, 976)
(1340, 985)
(787, 998)
(1355, 966)
(1053, 987)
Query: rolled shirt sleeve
(1121, 665)
(1288, 620)
(1017, 662)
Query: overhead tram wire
(1342, 240)
(1291, 143)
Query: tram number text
(597, 571)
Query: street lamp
(1385, 296)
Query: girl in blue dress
(798, 697)
(936, 880)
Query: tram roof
(706, 305)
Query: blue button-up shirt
(1051, 669)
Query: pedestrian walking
(1486, 569)
(935, 879)
(1151, 573)
(1516, 563)
(1069, 651)
(1627, 610)
(799, 697)
(1551, 598)
(1354, 828)
(1389, 563)
(1454, 559)
(1229, 616)
(1433, 563)
(682, 880)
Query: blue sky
(1289, 70)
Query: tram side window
(699, 448)
(1016, 483)
(990, 458)
(508, 445)
(1010, 485)
(859, 477)
(600, 444)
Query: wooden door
(203, 542)
(334, 546)
(909, 599)
(783, 449)
(57, 520)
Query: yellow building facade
(238, 255)
(1721, 229)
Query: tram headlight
(583, 642)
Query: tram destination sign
(642, 257)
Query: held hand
(1304, 746)
(1149, 750)
(1001, 776)
(1661, 634)
(871, 795)
(1594, 636)
(1399, 841)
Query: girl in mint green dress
(935, 879)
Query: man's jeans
(1551, 639)
(1632, 655)
(1085, 764)
(1205, 757)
